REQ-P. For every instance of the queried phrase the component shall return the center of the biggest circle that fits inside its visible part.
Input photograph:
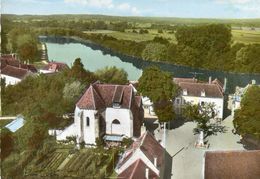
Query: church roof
(99, 96)
(91, 100)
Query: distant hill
(158, 20)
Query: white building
(200, 93)
(13, 75)
(13, 71)
(108, 111)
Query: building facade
(200, 93)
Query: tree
(247, 119)
(158, 86)
(7, 143)
(155, 52)
(112, 75)
(78, 72)
(27, 47)
(201, 114)
(248, 58)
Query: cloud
(92, 3)
(250, 7)
(127, 7)
(233, 1)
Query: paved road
(188, 161)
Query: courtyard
(188, 161)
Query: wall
(219, 103)
(89, 132)
(10, 80)
(125, 118)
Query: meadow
(243, 36)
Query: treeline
(201, 46)
(208, 47)
(20, 39)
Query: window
(115, 121)
(202, 103)
(177, 101)
(87, 121)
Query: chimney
(210, 80)
(225, 85)
(203, 93)
(155, 162)
(185, 92)
(147, 173)
(253, 82)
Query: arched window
(115, 121)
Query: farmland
(242, 36)
(65, 163)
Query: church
(106, 111)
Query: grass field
(130, 35)
(244, 36)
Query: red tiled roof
(104, 95)
(195, 89)
(138, 100)
(232, 164)
(90, 100)
(14, 72)
(137, 171)
(149, 146)
(10, 60)
(55, 66)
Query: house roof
(55, 66)
(98, 96)
(195, 89)
(137, 170)
(232, 164)
(151, 148)
(138, 100)
(190, 80)
(15, 72)
(12, 61)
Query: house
(13, 75)
(53, 67)
(232, 164)
(200, 93)
(105, 111)
(13, 71)
(145, 158)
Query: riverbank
(108, 55)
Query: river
(95, 57)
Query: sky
(161, 8)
